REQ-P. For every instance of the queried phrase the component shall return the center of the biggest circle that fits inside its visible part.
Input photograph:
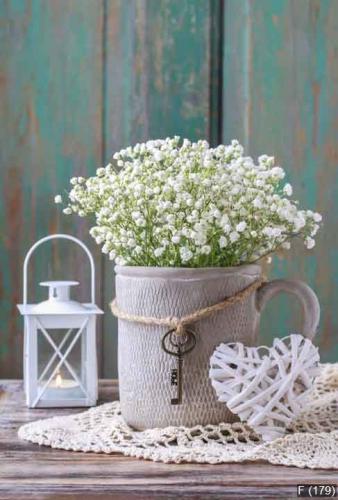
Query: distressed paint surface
(51, 101)
(281, 98)
(81, 79)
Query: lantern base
(62, 397)
(70, 403)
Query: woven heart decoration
(265, 387)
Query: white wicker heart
(265, 387)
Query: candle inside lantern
(58, 380)
(61, 388)
(62, 383)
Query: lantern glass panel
(62, 378)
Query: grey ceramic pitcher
(145, 369)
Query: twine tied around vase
(179, 324)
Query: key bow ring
(182, 343)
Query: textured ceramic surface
(144, 368)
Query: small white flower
(200, 238)
(140, 222)
(317, 217)
(276, 232)
(67, 211)
(299, 223)
(58, 198)
(131, 243)
(223, 242)
(159, 251)
(105, 248)
(101, 172)
(277, 172)
(136, 214)
(226, 228)
(176, 239)
(185, 254)
(241, 226)
(216, 213)
(186, 232)
(205, 249)
(287, 189)
(309, 243)
(158, 155)
(257, 202)
(120, 261)
(224, 219)
(234, 236)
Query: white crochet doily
(312, 439)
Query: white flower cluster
(179, 203)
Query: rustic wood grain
(32, 471)
(280, 97)
(82, 78)
(51, 104)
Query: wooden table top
(31, 471)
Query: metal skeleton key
(178, 346)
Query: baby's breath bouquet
(183, 204)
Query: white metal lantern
(60, 365)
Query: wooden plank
(281, 97)
(41, 472)
(157, 84)
(51, 102)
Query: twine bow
(179, 324)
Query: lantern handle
(64, 237)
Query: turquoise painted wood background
(83, 78)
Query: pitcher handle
(305, 294)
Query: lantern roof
(31, 310)
(59, 302)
